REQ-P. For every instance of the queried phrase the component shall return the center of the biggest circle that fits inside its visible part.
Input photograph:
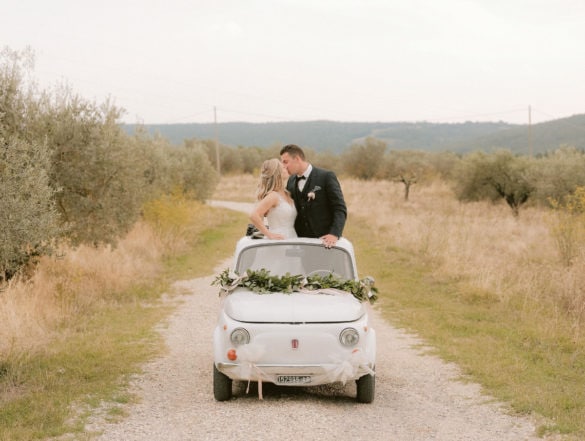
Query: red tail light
(294, 343)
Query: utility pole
(530, 130)
(216, 140)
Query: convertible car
(294, 313)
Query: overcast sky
(172, 61)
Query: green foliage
(15, 91)
(101, 176)
(494, 177)
(262, 282)
(251, 159)
(407, 167)
(192, 172)
(28, 217)
(364, 160)
(559, 173)
(27, 209)
(154, 152)
(99, 173)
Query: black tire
(366, 388)
(222, 385)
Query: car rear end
(318, 346)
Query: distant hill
(539, 138)
(337, 136)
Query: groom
(321, 210)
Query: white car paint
(294, 338)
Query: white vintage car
(288, 316)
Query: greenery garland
(262, 282)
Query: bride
(274, 203)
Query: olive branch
(262, 282)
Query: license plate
(293, 379)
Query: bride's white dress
(281, 219)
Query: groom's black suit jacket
(326, 212)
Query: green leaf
(262, 282)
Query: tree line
(70, 173)
(499, 175)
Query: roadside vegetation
(75, 332)
(482, 255)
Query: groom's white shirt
(306, 174)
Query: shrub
(177, 221)
(497, 176)
(27, 211)
(363, 160)
(192, 173)
(100, 173)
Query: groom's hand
(329, 240)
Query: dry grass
(489, 291)
(32, 310)
(482, 243)
(240, 188)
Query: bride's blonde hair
(270, 178)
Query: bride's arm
(260, 210)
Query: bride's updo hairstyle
(270, 178)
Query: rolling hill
(336, 136)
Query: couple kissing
(298, 199)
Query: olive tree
(363, 160)
(251, 159)
(407, 167)
(98, 170)
(192, 172)
(496, 176)
(28, 216)
(16, 91)
(559, 173)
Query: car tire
(222, 385)
(366, 388)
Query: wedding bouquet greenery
(262, 282)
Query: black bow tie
(300, 178)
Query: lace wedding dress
(281, 219)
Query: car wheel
(222, 385)
(366, 388)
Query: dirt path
(418, 396)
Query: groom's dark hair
(293, 150)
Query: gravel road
(418, 396)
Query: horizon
(353, 122)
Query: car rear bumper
(306, 374)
